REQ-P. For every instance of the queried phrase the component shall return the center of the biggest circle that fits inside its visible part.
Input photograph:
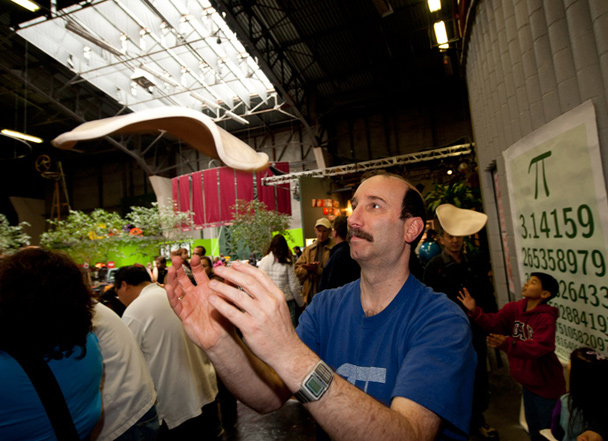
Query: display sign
(559, 210)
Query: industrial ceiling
(302, 62)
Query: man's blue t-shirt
(419, 347)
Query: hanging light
(434, 5)
(441, 35)
(142, 38)
(19, 135)
(27, 4)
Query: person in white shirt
(278, 264)
(184, 377)
(128, 393)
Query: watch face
(314, 386)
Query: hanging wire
(25, 79)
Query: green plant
(12, 237)
(253, 225)
(158, 226)
(87, 238)
(163, 221)
(459, 194)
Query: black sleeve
(431, 273)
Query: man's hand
(259, 310)
(495, 340)
(203, 324)
(466, 299)
(311, 266)
(589, 436)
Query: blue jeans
(146, 429)
(538, 411)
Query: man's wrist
(315, 384)
(293, 366)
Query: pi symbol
(535, 161)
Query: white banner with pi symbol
(559, 210)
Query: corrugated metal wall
(528, 62)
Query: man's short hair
(341, 226)
(160, 260)
(202, 249)
(133, 275)
(547, 283)
(413, 204)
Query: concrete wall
(526, 63)
(31, 211)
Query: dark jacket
(340, 268)
(445, 275)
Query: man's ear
(412, 228)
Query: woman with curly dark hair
(45, 320)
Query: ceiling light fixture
(143, 79)
(19, 135)
(27, 4)
(117, 35)
(441, 34)
(161, 76)
(434, 5)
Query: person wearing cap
(448, 273)
(313, 259)
(370, 360)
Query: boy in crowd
(525, 330)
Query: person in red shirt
(525, 330)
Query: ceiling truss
(147, 54)
(410, 158)
(271, 57)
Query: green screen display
(314, 386)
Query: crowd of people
(374, 343)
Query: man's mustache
(358, 232)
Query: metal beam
(270, 58)
(410, 158)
